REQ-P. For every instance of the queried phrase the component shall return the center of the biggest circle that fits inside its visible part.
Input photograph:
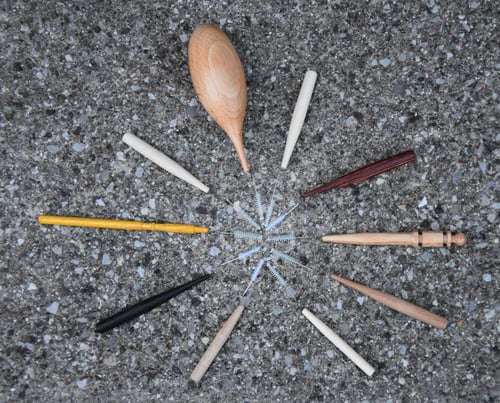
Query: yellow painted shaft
(120, 224)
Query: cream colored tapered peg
(299, 115)
(217, 343)
(219, 80)
(339, 343)
(426, 239)
(162, 160)
(395, 303)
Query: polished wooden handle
(219, 80)
(426, 239)
(395, 303)
(366, 172)
(216, 345)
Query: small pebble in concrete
(52, 149)
(53, 308)
(140, 272)
(385, 62)
(82, 384)
(78, 147)
(106, 260)
(139, 244)
(214, 251)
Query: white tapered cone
(162, 160)
(299, 115)
(339, 343)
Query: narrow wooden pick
(216, 345)
(299, 115)
(162, 160)
(339, 343)
(219, 80)
(366, 172)
(398, 304)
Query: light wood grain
(216, 345)
(426, 239)
(339, 343)
(299, 115)
(369, 238)
(219, 80)
(162, 160)
(396, 303)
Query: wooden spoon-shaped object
(219, 81)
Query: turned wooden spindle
(219, 81)
(426, 239)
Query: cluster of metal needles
(267, 250)
(275, 255)
(266, 254)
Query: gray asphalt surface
(392, 76)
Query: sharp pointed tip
(204, 277)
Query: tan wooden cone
(216, 345)
(398, 304)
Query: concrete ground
(392, 76)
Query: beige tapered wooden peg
(426, 239)
(219, 80)
(299, 115)
(395, 303)
(216, 345)
(339, 343)
(162, 160)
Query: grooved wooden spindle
(366, 172)
(395, 303)
(216, 345)
(219, 80)
(426, 239)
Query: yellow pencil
(120, 224)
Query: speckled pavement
(392, 76)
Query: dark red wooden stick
(366, 172)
